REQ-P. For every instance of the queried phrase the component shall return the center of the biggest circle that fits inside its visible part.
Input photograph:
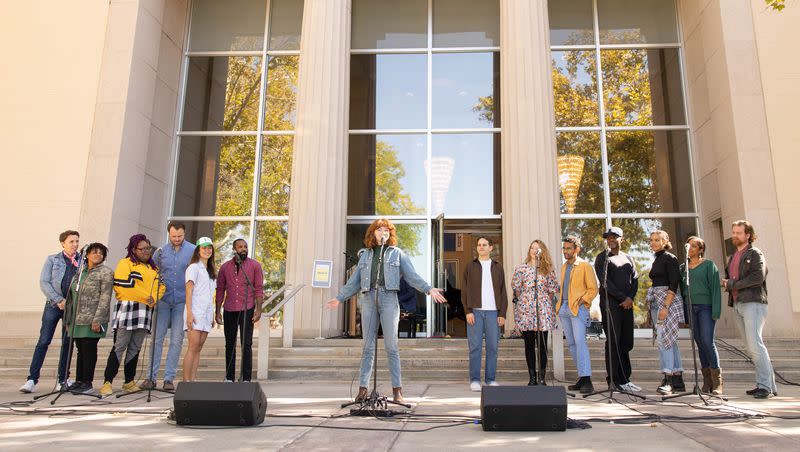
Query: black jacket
(752, 282)
(622, 280)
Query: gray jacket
(395, 264)
(752, 282)
(51, 276)
(94, 297)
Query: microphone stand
(154, 326)
(536, 264)
(612, 386)
(696, 390)
(375, 404)
(74, 314)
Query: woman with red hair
(380, 265)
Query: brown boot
(716, 381)
(397, 395)
(362, 394)
(706, 379)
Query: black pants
(619, 342)
(532, 340)
(86, 358)
(237, 321)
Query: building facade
(295, 123)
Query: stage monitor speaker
(219, 403)
(524, 408)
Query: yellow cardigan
(136, 282)
(582, 285)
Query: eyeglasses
(145, 249)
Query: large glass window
(233, 172)
(623, 149)
(424, 117)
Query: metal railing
(264, 329)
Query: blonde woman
(535, 287)
(666, 309)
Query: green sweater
(705, 283)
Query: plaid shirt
(132, 315)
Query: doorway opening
(453, 241)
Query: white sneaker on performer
(631, 387)
(28, 387)
(65, 384)
(475, 386)
(227, 381)
(494, 383)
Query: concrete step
(439, 359)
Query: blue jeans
(575, 333)
(670, 358)
(750, 319)
(50, 318)
(169, 317)
(485, 326)
(389, 312)
(704, 327)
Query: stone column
(529, 170)
(317, 207)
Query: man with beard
(240, 291)
(746, 284)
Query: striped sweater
(136, 282)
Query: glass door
(438, 311)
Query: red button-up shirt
(232, 285)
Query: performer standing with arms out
(240, 291)
(485, 300)
(621, 283)
(172, 259)
(384, 283)
(578, 289)
(666, 311)
(746, 284)
(201, 285)
(93, 300)
(54, 282)
(534, 312)
(706, 302)
(137, 289)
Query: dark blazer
(471, 291)
(752, 282)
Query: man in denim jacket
(57, 274)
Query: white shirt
(487, 287)
(203, 290)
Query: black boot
(587, 385)
(542, 375)
(577, 384)
(677, 383)
(532, 381)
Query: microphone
(384, 238)
(237, 259)
(687, 246)
(538, 251)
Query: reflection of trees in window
(241, 96)
(575, 88)
(234, 194)
(271, 240)
(281, 102)
(390, 199)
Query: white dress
(202, 297)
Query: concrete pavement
(78, 423)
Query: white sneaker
(494, 383)
(475, 386)
(631, 387)
(65, 384)
(28, 387)
(227, 381)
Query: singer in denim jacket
(382, 282)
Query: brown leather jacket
(471, 291)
